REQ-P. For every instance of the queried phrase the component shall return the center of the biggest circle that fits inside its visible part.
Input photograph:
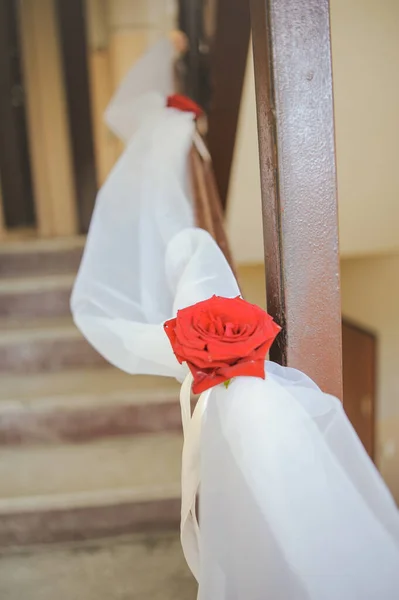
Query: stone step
(40, 257)
(130, 567)
(85, 404)
(43, 345)
(81, 491)
(35, 297)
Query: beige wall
(370, 296)
(252, 282)
(244, 221)
(365, 40)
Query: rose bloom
(221, 338)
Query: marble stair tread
(85, 404)
(14, 285)
(146, 566)
(85, 491)
(15, 329)
(30, 257)
(80, 388)
(43, 245)
(136, 468)
(43, 345)
(33, 297)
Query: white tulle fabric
(291, 507)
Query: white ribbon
(190, 478)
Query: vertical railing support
(292, 58)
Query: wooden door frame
(359, 327)
(352, 324)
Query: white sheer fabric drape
(291, 507)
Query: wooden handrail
(208, 208)
(207, 205)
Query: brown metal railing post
(292, 58)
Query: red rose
(185, 104)
(221, 338)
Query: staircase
(87, 451)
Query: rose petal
(169, 328)
(187, 335)
(251, 368)
(204, 381)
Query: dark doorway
(72, 27)
(15, 176)
(359, 377)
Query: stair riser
(47, 355)
(17, 264)
(46, 303)
(82, 425)
(74, 524)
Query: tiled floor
(129, 568)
